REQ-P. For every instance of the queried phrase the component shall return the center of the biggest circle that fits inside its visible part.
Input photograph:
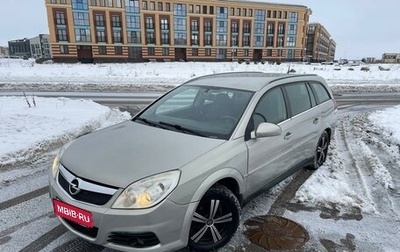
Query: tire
(321, 151)
(215, 220)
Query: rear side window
(321, 92)
(299, 97)
(271, 108)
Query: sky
(361, 28)
(27, 132)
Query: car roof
(252, 81)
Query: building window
(207, 26)
(269, 52)
(132, 6)
(270, 41)
(234, 27)
(64, 49)
(244, 12)
(279, 14)
(165, 51)
(292, 29)
(103, 3)
(190, 8)
(60, 18)
(208, 51)
(116, 21)
(102, 50)
(208, 40)
(270, 29)
(246, 40)
(195, 39)
(280, 42)
(285, 14)
(82, 35)
(222, 12)
(149, 23)
(80, 4)
(160, 6)
(245, 52)
(168, 7)
(195, 52)
(293, 17)
(110, 3)
(151, 51)
(259, 15)
(164, 24)
(133, 22)
(246, 28)
(81, 19)
(259, 28)
(180, 38)
(150, 38)
(291, 42)
(250, 12)
(152, 5)
(234, 40)
(258, 40)
(134, 37)
(118, 50)
(179, 9)
(53, 1)
(62, 35)
(165, 38)
(274, 14)
(179, 24)
(238, 12)
(204, 9)
(221, 53)
(144, 5)
(232, 12)
(195, 25)
(222, 26)
(117, 38)
(197, 8)
(99, 20)
(212, 10)
(281, 29)
(221, 40)
(101, 36)
(119, 3)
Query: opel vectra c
(178, 172)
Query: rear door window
(299, 97)
(321, 92)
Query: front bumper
(167, 222)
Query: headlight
(148, 192)
(57, 159)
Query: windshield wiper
(148, 122)
(183, 129)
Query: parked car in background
(178, 172)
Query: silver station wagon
(178, 172)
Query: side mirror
(266, 130)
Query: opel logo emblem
(74, 187)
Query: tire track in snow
(371, 173)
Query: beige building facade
(391, 58)
(201, 30)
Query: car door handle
(288, 136)
(316, 120)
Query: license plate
(72, 213)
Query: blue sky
(361, 28)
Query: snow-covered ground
(358, 187)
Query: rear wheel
(215, 220)
(321, 151)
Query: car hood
(124, 153)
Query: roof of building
(264, 2)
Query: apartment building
(40, 46)
(3, 52)
(391, 58)
(189, 30)
(320, 46)
(19, 48)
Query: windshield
(200, 110)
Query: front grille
(91, 232)
(141, 240)
(84, 195)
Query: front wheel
(321, 151)
(215, 220)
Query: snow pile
(44, 124)
(390, 120)
(22, 72)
